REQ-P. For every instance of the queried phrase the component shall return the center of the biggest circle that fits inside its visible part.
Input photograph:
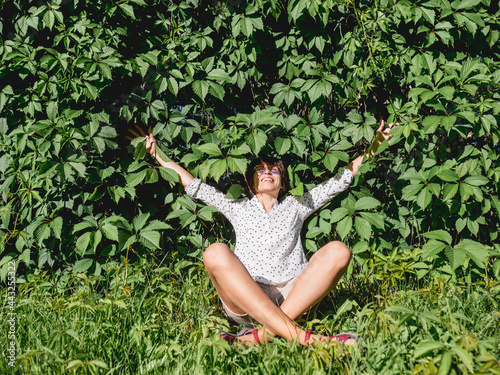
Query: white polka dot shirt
(269, 244)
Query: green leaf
(80, 168)
(126, 239)
(282, 145)
(206, 213)
(91, 91)
(464, 4)
(83, 225)
(344, 226)
(363, 227)
(157, 225)
(234, 191)
(338, 214)
(134, 179)
(467, 68)
(211, 149)
(140, 221)
(150, 238)
(42, 232)
(496, 204)
(187, 218)
(426, 347)
(448, 175)
(82, 266)
(473, 226)
(110, 231)
(439, 234)
(98, 363)
(56, 227)
(140, 149)
(456, 256)
(48, 19)
(431, 123)
(431, 248)
(237, 164)
(151, 176)
(298, 190)
(52, 111)
(219, 74)
(201, 88)
(475, 250)
(95, 239)
(445, 364)
(496, 268)
(476, 180)
(127, 9)
(218, 168)
(100, 145)
(314, 232)
(465, 357)
(375, 219)
(410, 191)
(169, 174)
(256, 140)
(424, 198)
(366, 203)
(82, 243)
(449, 191)
(299, 146)
(217, 90)
(460, 224)
(4, 128)
(330, 161)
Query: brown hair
(269, 161)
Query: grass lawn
(141, 319)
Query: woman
(268, 279)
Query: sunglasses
(260, 169)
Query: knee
(336, 254)
(215, 255)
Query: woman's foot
(306, 338)
(344, 338)
(249, 336)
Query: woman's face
(267, 179)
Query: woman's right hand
(151, 145)
(185, 177)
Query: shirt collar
(255, 201)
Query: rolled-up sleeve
(324, 192)
(211, 197)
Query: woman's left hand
(383, 134)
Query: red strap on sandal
(256, 335)
(231, 338)
(306, 338)
(308, 335)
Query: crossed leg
(242, 295)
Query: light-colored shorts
(277, 293)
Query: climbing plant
(220, 82)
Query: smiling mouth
(267, 180)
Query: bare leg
(321, 275)
(242, 295)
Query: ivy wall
(220, 82)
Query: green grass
(145, 320)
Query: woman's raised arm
(184, 176)
(381, 136)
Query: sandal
(306, 339)
(232, 338)
(343, 337)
